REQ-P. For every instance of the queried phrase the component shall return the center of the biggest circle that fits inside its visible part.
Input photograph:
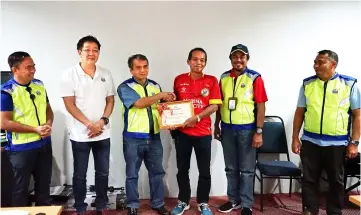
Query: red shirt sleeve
(175, 87)
(215, 94)
(260, 95)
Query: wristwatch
(259, 130)
(105, 119)
(355, 142)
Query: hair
(331, 55)
(136, 57)
(85, 39)
(197, 49)
(17, 58)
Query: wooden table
(355, 199)
(48, 210)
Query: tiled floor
(277, 204)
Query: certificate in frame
(174, 114)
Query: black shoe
(132, 211)
(162, 210)
(307, 213)
(102, 212)
(228, 207)
(246, 211)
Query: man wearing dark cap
(238, 126)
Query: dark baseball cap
(241, 48)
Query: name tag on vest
(232, 103)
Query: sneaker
(228, 207)
(102, 212)
(132, 211)
(204, 209)
(180, 208)
(161, 210)
(307, 213)
(246, 211)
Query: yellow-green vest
(243, 116)
(137, 121)
(327, 115)
(27, 111)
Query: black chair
(352, 170)
(7, 179)
(275, 142)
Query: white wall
(283, 39)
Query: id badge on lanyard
(232, 103)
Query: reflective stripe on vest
(327, 113)
(243, 115)
(136, 121)
(3, 137)
(24, 110)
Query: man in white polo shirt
(88, 94)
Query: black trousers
(314, 159)
(7, 178)
(184, 145)
(36, 162)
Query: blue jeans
(101, 151)
(240, 162)
(36, 162)
(135, 150)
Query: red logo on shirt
(205, 92)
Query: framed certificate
(174, 114)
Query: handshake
(167, 96)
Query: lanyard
(234, 87)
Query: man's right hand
(296, 145)
(43, 130)
(95, 129)
(173, 127)
(217, 133)
(168, 96)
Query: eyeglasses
(90, 51)
(32, 96)
(242, 57)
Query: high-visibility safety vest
(328, 113)
(27, 111)
(243, 115)
(137, 120)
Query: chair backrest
(352, 166)
(274, 136)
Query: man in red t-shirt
(203, 90)
(241, 117)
